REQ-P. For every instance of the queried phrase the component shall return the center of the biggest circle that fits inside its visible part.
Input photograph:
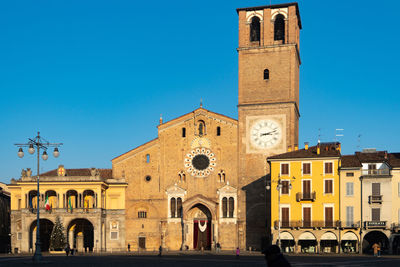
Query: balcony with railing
(60, 211)
(376, 172)
(307, 224)
(306, 196)
(375, 199)
(375, 224)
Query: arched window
(218, 131)
(255, 29)
(183, 132)
(147, 158)
(173, 207)
(279, 28)
(179, 207)
(224, 207)
(202, 128)
(266, 74)
(231, 207)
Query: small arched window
(173, 207)
(147, 158)
(183, 132)
(255, 29)
(218, 131)
(224, 207)
(202, 128)
(266, 74)
(279, 28)
(231, 207)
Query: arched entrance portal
(45, 228)
(373, 237)
(202, 226)
(80, 235)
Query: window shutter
(349, 216)
(376, 214)
(376, 189)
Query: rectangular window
(328, 167)
(376, 214)
(328, 216)
(285, 217)
(371, 169)
(306, 168)
(19, 204)
(349, 216)
(285, 168)
(114, 235)
(285, 188)
(349, 174)
(306, 217)
(307, 189)
(328, 186)
(19, 235)
(376, 189)
(349, 189)
(184, 132)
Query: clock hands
(269, 133)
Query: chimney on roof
(306, 145)
(386, 155)
(318, 148)
(160, 119)
(296, 147)
(289, 148)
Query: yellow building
(304, 190)
(89, 202)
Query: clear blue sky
(96, 75)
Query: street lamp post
(278, 188)
(39, 143)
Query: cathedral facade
(201, 182)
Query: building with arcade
(89, 202)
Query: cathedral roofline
(149, 143)
(190, 114)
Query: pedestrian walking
(218, 247)
(375, 248)
(274, 257)
(129, 247)
(67, 249)
(160, 251)
(237, 253)
(379, 250)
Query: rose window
(200, 162)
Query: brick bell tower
(268, 108)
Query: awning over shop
(307, 236)
(349, 236)
(328, 236)
(286, 236)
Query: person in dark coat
(275, 258)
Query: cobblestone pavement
(195, 260)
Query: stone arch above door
(199, 199)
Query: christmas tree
(57, 238)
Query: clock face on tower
(265, 134)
